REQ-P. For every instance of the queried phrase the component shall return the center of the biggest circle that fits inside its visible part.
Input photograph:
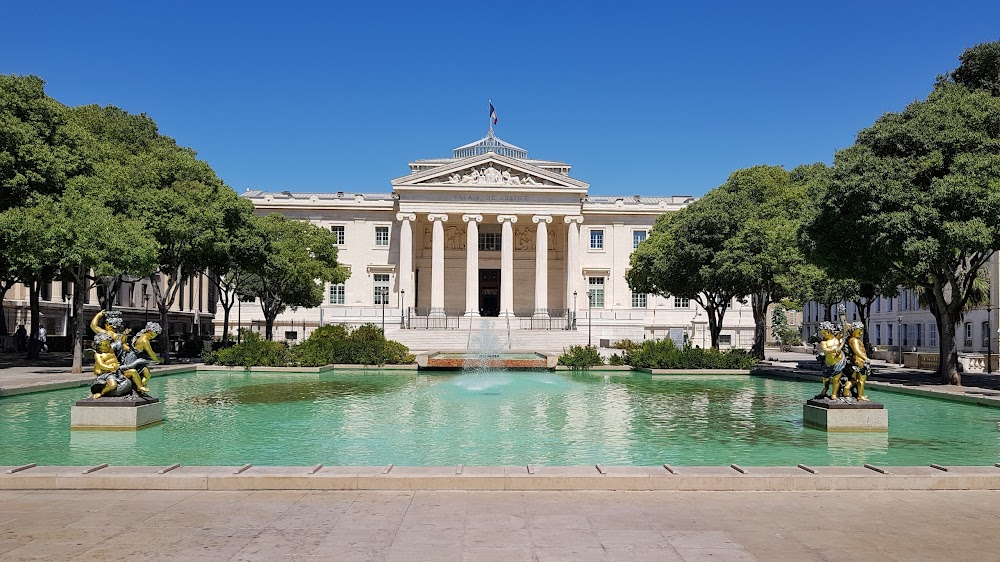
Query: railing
(422, 319)
(551, 319)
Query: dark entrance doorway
(489, 292)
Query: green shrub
(663, 354)
(624, 344)
(616, 359)
(365, 345)
(581, 357)
(254, 352)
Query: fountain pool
(491, 418)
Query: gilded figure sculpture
(860, 364)
(121, 365)
(845, 362)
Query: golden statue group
(844, 360)
(121, 363)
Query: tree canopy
(301, 257)
(917, 197)
(682, 258)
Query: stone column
(472, 264)
(573, 261)
(541, 265)
(437, 263)
(507, 264)
(406, 258)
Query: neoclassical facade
(491, 232)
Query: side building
(191, 316)
(903, 330)
(490, 233)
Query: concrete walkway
(447, 525)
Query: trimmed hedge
(365, 345)
(663, 354)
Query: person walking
(21, 339)
(43, 339)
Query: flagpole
(491, 119)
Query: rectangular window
(878, 334)
(986, 333)
(489, 241)
(920, 335)
(888, 332)
(878, 304)
(381, 235)
(338, 292)
(932, 335)
(888, 305)
(381, 288)
(596, 292)
(681, 302)
(338, 233)
(725, 340)
(638, 300)
(904, 332)
(637, 237)
(968, 331)
(596, 239)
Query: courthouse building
(491, 232)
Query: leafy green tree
(183, 206)
(39, 153)
(38, 144)
(242, 249)
(300, 258)
(681, 258)
(763, 253)
(918, 195)
(37, 232)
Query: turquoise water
(218, 418)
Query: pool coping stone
(502, 478)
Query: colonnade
(437, 220)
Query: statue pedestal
(835, 415)
(116, 413)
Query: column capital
(507, 218)
(540, 218)
(437, 217)
(406, 217)
(578, 219)
(477, 218)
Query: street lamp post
(145, 303)
(239, 318)
(590, 315)
(574, 310)
(899, 335)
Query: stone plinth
(834, 415)
(115, 413)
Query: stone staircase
(540, 341)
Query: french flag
(493, 113)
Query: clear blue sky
(657, 98)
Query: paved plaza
(509, 526)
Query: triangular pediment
(491, 171)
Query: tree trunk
(225, 325)
(165, 335)
(947, 351)
(759, 301)
(269, 326)
(715, 315)
(78, 293)
(34, 346)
